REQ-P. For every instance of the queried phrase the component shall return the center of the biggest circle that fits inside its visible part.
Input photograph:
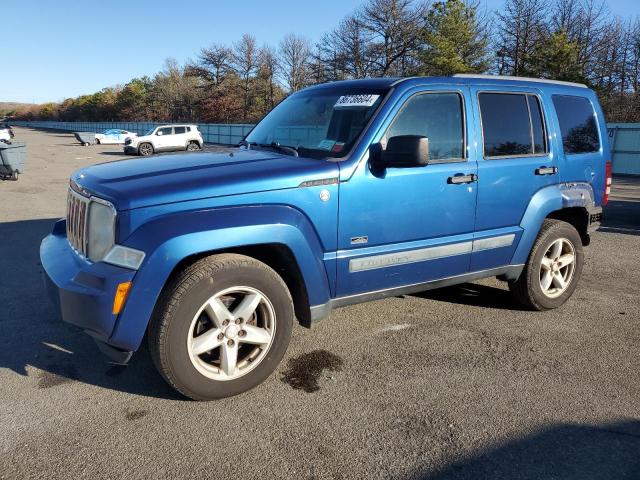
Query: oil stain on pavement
(135, 415)
(303, 371)
(57, 375)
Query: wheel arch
(576, 216)
(171, 242)
(567, 202)
(277, 256)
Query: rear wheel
(145, 149)
(221, 327)
(193, 146)
(553, 269)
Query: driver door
(163, 138)
(405, 226)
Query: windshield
(318, 123)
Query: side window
(165, 131)
(437, 116)
(577, 124)
(179, 130)
(512, 125)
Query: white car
(113, 136)
(4, 135)
(165, 138)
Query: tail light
(607, 183)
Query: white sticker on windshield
(350, 101)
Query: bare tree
(521, 24)
(268, 69)
(244, 61)
(295, 56)
(174, 93)
(345, 51)
(392, 29)
(213, 63)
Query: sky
(54, 49)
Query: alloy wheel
(557, 267)
(231, 333)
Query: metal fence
(624, 139)
(225, 134)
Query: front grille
(77, 217)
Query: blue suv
(346, 192)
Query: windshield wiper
(283, 148)
(274, 145)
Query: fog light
(121, 296)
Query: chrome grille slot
(77, 216)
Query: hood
(147, 181)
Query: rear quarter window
(577, 124)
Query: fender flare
(169, 239)
(543, 203)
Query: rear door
(515, 162)
(179, 137)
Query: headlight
(101, 228)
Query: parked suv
(165, 138)
(346, 192)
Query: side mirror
(403, 151)
(159, 133)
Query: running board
(319, 312)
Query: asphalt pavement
(459, 383)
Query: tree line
(574, 40)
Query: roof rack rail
(518, 79)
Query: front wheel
(145, 149)
(553, 269)
(221, 327)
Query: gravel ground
(455, 383)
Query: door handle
(546, 170)
(462, 178)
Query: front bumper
(83, 291)
(130, 149)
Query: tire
(14, 176)
(97, 142)
(145, 149)
(182, 326)
(529, 289)
(193, 146)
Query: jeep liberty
(345, 192)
